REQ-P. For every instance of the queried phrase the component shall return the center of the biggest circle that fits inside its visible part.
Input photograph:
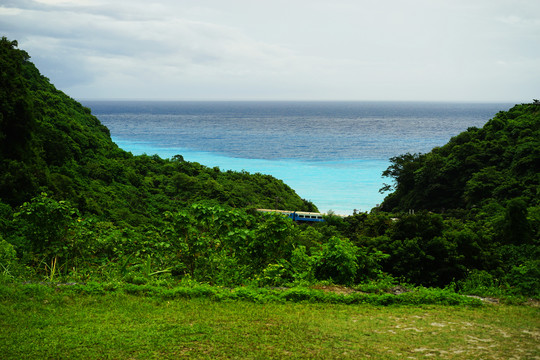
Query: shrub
(479, 282)
(8, 259)
(337, 260)
(45, 221)
(275, 275)
(525, 278)
(302, 264)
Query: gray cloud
(240, 49)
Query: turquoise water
(340, 186)
(331, 153)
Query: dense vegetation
(51, 143)
(73, 206)
(496, 163)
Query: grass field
(120, 326)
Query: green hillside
(498, 162)
(50, 143)
(75, 207)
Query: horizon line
(304, 100)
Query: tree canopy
(51, 143)
(73, 204)
(498, 162)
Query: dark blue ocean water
(332, 153)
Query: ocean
(331, 153)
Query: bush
(383, 283)
(369, 264)
(7, 252)
(302, 265)
(275, 275)
(479, 282)
(525, 278)
(337, 261)
(8, 259)
(45, 221)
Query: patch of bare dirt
(336, 289)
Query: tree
(516, 228)
(497, 162)
(16, 114)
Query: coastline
(337, 186)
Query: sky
(387, 50)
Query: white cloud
(344, 49)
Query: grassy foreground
(67, 325)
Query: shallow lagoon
(331, 153)
(340, 186)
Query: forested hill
(49, 143)
(69, 197)
(496, 163)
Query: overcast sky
(449, 50)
